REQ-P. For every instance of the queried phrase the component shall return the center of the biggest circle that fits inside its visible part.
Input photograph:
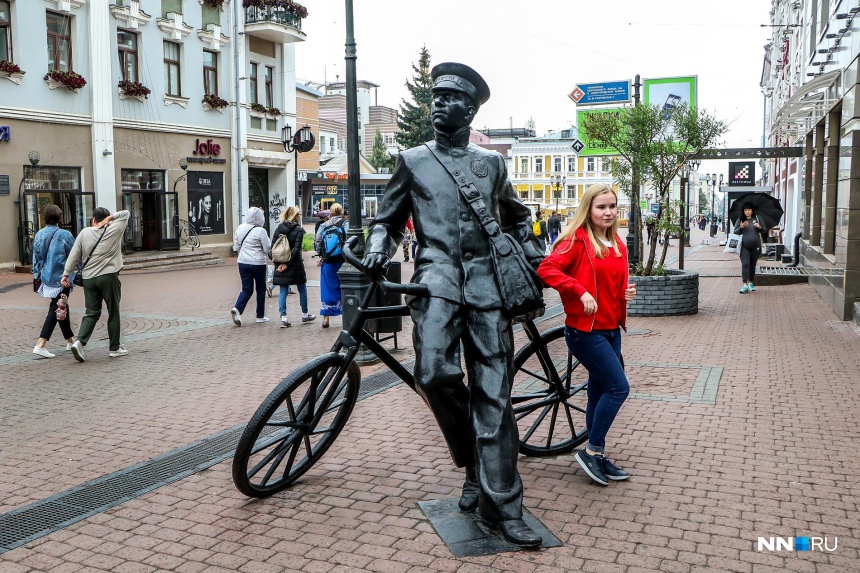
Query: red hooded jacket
(572, 273)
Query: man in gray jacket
(98, 248)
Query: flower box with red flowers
(71, 80)
(10, 68)
(134, 89)
(215, 102)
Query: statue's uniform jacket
(453, 257)
(464, 306)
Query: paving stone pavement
(741, 423)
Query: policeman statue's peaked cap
(460, 78)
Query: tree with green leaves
(379, 156)
(653, 146)
(414, 116)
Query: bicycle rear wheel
(549, 398)
(295, 425)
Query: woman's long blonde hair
(582, 218)
(290, 214)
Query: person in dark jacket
(751, 228)
(293, 272)
(553, 227)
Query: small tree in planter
(655, 145)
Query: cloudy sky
(533, 53)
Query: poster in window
(206, 202)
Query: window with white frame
(571, 164)
(589, 164)
(252, 84)
(538, 164)
(556, 164)
(270, 92)
(524, 165)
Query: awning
(805, 108)
(262, 158)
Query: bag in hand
(733, 245)
(519, 285)
(37, 282)
(281, 251)
(79, 278)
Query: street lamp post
(692, 167)
(23, 233)
(301, 142)
(713, 182)
(184, 166)
(684, 241)
(558, 183)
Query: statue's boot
(516, 531)
(471, 489)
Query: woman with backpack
(329, 243)
(293, 271)
(252, 243)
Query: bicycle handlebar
(412, 289)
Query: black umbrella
(765, 206)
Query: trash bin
(391, 324)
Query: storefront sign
(207, 148)
(4, 184)
(206, 202)
(323, 189)
(5, 133)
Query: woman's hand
(630, 292)
(745, 224)
(757, 226)
(282, 267)
(589, 303)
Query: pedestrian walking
(588, 267)
(649, 227)
(292, 272)
(98, 249)
(751, 228)
(329, 242)
(408, 240)
(553, 227)
(252, 243)
(51, 248)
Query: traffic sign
(578, 145)
(655, 208)
(601, 93)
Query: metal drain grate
(46, 516)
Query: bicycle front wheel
(549, 399)
(295, 425)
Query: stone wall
(675, 294)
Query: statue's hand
(375, 263)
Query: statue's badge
(479, 168)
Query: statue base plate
(467, 536)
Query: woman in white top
(252, 243)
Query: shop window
(142, 179)
(59, 42)
(211, 15)
(538, 194)
(210, 72)
(172, 82)
(571, 164)
(270, 92)
(167, 6)
(5, 32)
(538, 164)
(127, 46)
(252, 83)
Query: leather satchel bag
(281, 251)
(520, 287)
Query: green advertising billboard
(670, 92)
(594, 147)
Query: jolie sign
(207, 148)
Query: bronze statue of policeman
(464, 306)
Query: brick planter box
(675, 294)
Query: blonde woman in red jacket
(588, 267)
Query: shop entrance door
(152, 221)
(149, 221)
(258, 192)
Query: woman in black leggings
(751, 228)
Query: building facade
(129, 92)
(810, 87)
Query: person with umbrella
(750, 226)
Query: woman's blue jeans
(252, 276)
(303, 298)
(600, 352)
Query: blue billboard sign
(601, 93)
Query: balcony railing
(272, 14)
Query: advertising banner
(670, 92)
(206, 202)
(593, 147)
